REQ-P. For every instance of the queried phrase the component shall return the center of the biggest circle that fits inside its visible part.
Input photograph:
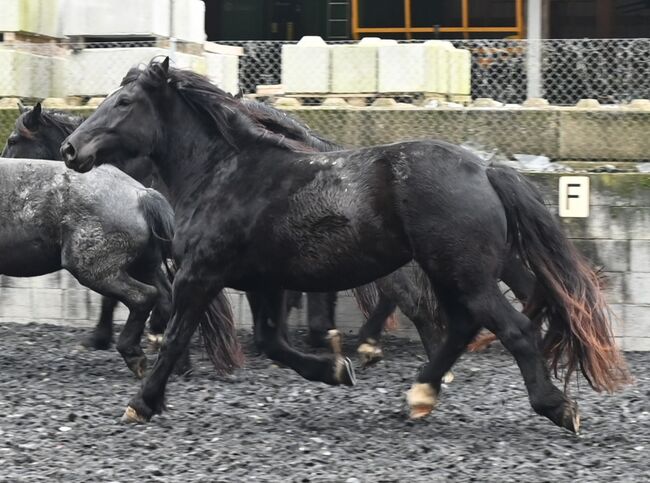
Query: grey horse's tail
(217, 326)
(159, 216)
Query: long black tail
(568, 291)
(217, 326)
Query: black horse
(263, 213)
(38, 133)
(107, 230)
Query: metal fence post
(534, 48)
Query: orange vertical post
(355, 19)
(519, 17)
(407, 18)
(464, 9)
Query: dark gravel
(60, 406)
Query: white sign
(574, 196)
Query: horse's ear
(33, 117)
(165, 65)
(21, 107)
(159, 70)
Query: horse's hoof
(131, 416)
(369, 353)
(448, 378)
(155, 341)
(94, 342)
(571, 418)
(335, 341)
(138, 366)
(421, 398)
(344, 372)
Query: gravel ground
(60, 407)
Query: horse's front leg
(191, 297)
(270, 313)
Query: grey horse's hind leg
(104, 270)
(139, 298)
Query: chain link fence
(615, 73)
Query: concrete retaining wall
(604, 133)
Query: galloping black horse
(263, 213)
(38, 133)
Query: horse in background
(261, 212)
(110, 232)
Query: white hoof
(421, 398)
(335, 340)
(369, 353)
(448, 377)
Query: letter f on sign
(574, 197)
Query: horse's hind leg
(517, 333)
(139, 298)
(369, 349)
(522, 339)
(423, 396)
(162, 309)
(269, 311)
(102, 335)
(320, 318)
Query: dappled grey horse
(110, 232)
(38, 134)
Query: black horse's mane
(230, 115)
(59, 120)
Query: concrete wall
(605, 133)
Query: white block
(306, 66)
(30, 16)
(354, 68)
(116, 18)
(437, 60)
(189, 21)
(97, 72)
(460, 72)
(400, 68)
(223, 70)
(26, 74)
(10, 18)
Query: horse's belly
(27, 254)
(338, 260)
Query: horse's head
(126, 127)
(32, 136)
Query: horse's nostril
(68, 152)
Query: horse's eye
(123, 101)
(11, 141)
